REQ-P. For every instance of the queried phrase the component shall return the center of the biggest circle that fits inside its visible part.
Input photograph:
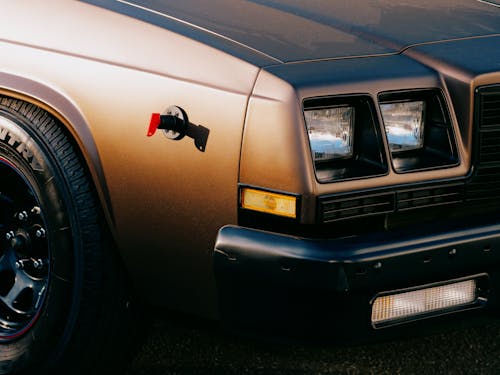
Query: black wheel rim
(24, 254)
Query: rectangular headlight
(404, 124)
(418, 129)
(330, 132)
(344, 137)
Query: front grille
(485, 183)
(345, 207)
(348, 206)
(429, 197)
(489, 107)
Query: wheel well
(83, 144)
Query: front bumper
(271, 278)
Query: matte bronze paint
(168, 198)
(297, 30)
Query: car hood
(297, 30)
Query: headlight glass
(330, 132)
(345, 139)
(418, 129)
(404, 125)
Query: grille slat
(490, 147)
(490, 142)
(495, 125)
(485, 180)
(488, 172)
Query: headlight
(418, 130)
(404, 125)
(330, 132)
(345, 139)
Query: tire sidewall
(24, 147)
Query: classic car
(331, 165)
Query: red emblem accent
(154, 123)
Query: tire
(61, 286)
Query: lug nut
(22, 216)
(35, 210)
(21, 263)
(38, 263)
(40, 233)
(9, 235)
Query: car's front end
(368, 190)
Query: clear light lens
(418, 302)
(330, 132)
(404, 125)
(272, 203)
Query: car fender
(68, 113)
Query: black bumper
(268, 277)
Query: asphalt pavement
(177, 344)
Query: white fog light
(404, 124)
(330, 132)
(424, 301)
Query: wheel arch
(71, 118)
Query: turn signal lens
(271, 203)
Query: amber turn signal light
(271, 203)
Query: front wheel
(60, 282)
